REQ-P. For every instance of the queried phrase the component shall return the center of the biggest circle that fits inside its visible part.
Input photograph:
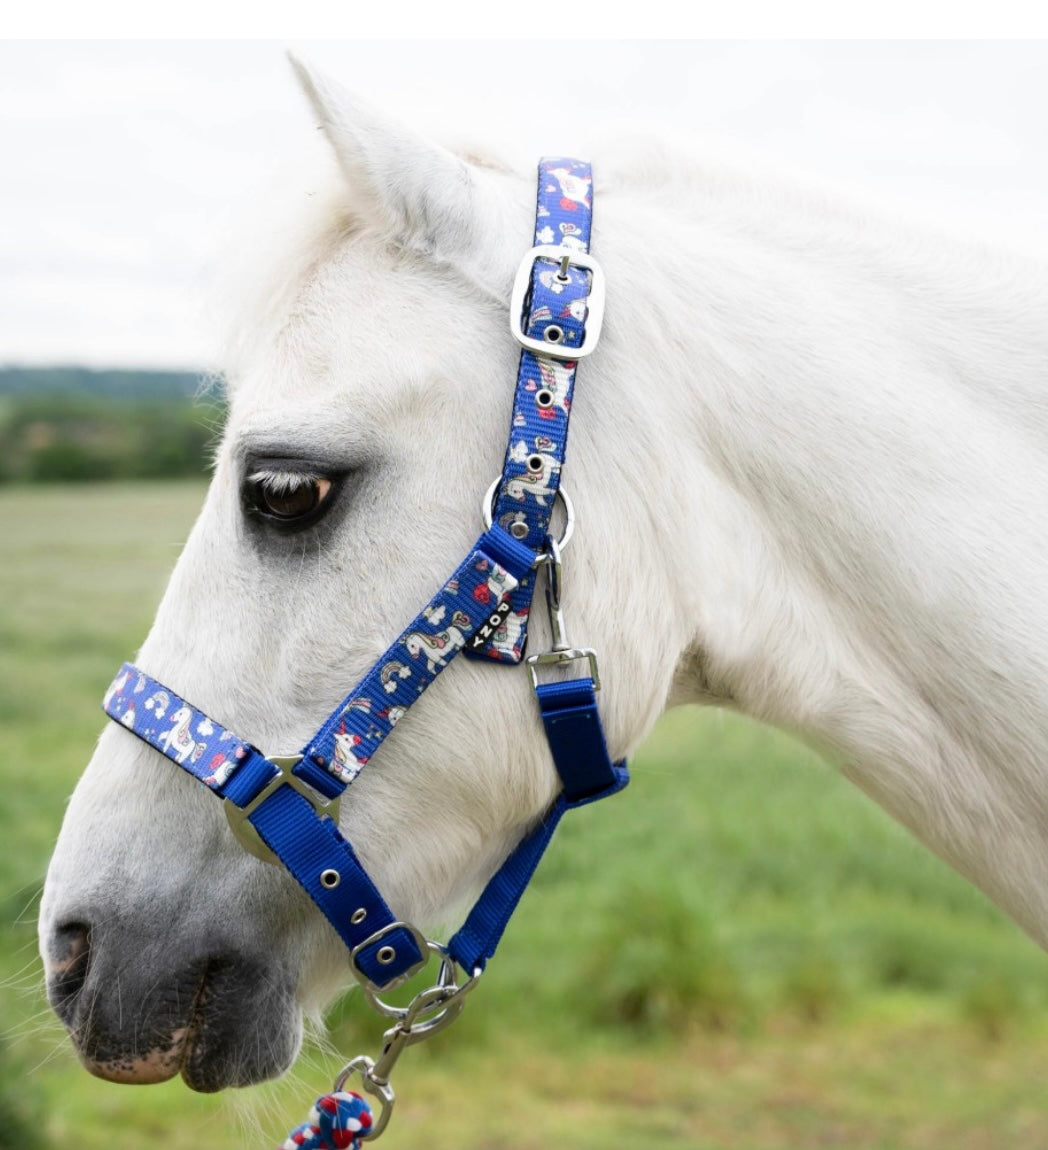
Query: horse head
(369, 396)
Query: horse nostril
(67, 952)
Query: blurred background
(840, 987)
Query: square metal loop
(594, 302)
(558, 658)
(240, 817)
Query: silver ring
(445, 980)
(488, 511)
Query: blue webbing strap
(576, 738)
(476, 940)
(580, 754)
(538, 432)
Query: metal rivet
(358, 916)
(535, 463)
(330, 879)
(518, 530)
(386, 955)
(544, 398)
(553, 334)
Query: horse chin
(235, 1038)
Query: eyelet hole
(358, 916)
(330, 879)
(544, 398)
(518, 530)
(534, 464)
(385, 955)
(553, 334)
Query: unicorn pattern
(345, 765)
(221, 769)
(179, 740)
(571, 236)
(116, 688)
(575, 190)
(532, 483)
(439, 647)
(556, 379)
(507, 639)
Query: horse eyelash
(283, 482)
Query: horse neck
(857, 420)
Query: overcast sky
(123, 162)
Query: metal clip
(561, 652)
(429, 1012)
(383, 1091)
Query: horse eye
(288, 499)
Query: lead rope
(338, 1121)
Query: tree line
(74, 424)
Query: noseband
(284, 809)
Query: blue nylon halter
(286, 809)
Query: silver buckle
(421, 942)
(595, 301)
(238, 817)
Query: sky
(126, 163)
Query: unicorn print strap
(464, 611)
(555, 314)
(467, 609)
(176, 728)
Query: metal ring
(488, 511)
(445, 980)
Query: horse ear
(421, 191)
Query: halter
(284, 809)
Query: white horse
(810, 468)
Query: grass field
(839, 986)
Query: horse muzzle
(138, 1012)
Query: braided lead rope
(339, 1121)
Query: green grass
(740, 951)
